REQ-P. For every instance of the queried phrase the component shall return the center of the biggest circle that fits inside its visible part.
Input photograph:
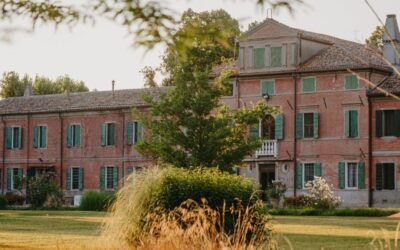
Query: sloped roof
(82, 101)
(390, 84)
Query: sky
(101, 53)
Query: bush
(15, 198)
(295, 201)
(320, 194)
(3, 202)
(96, 201)
(356, 212)
(166, 189)
(44, 191)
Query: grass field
(80, 230)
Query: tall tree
(189, 127)
(376, 38)
(12, 85)
(206, 38)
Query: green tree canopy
(12, 85)
(376, 38)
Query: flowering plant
(277, 189)
(320, 194)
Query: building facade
(339, 119)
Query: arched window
(268, 128)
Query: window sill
(308, 92)
(389, 137)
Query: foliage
(376, 38)
(165, 189)
(44, 190)
(12, 85)
(3, 202)
(277, 190)
(149, 74)
(320, 194)
(295, 201)
(15, 198)
(195, 225)
(308, 211)
(189, 127)
(96, 201)
(201, 42)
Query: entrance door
(267, 175)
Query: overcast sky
(98, 54)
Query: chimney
(28, 90)
(391, 41)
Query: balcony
(268, 148)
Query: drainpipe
(123, 148)
(294, 137)
(27, 143)
(370, 190)
(238, 92)
(61, 149)
(3, 153)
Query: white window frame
(73, 143)
(304, 124)
(315, 82)
(115, 134)
(383, 122)
(12, 178)
(72, 178)
(105, 178)
(12, 136)
(40, 146)
(135, 122)
(346, 175)
(395, 175)
(304, 171)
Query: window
(308, 125)
(75, 178)
(40, 136)
(308, 172)
(108, 134)
(267, 87)
(231, 89)
(387, 122)
(14, 177)
(308, 85)
(134, 169)
(258, 58)
(74, 136)
(108, 177)
(385, 176)
(351, 174)
(134, 133)
(351, 123)
(14, 138)
(276, 56)
(1, 180)
(351, 82)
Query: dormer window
(258, 58)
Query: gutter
(370, 189)
(294, 137)
(61, 149)
(3, 155)
(123, 148)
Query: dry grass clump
(197, 226)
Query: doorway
(34, 172)
(267, 175)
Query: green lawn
(81, 230)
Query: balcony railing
(268, 148)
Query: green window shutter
(9, 178)
(279, 127)
(353, 123)
(44, 137)
(77, 135)
(254, 131)
(308, 84)
(347, 123)
(103, 134)
(379, 176)
(397, 122)
(69, 136)
(112, 135)
(69, 177)
(299, 176)
(378, 123)
(361, 175)
(130, 170)
(342, 175)
(139, 131)
(102, 178)
(351, 82)
(20, 175)
(35, 137)
(267, 87)
(129, 133)
(80, 178)
(315, 124)
(258, 57)
(299, 125)
(20, 138)
(276, 56)
(115, 177)
(389, 170)
(9, 138)
(317, 169)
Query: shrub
(3, 202)
(165, 189)
(96, 201)
(44, 188)
(15, 198)
(308, 211)
(320, 194)
(295, 201)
